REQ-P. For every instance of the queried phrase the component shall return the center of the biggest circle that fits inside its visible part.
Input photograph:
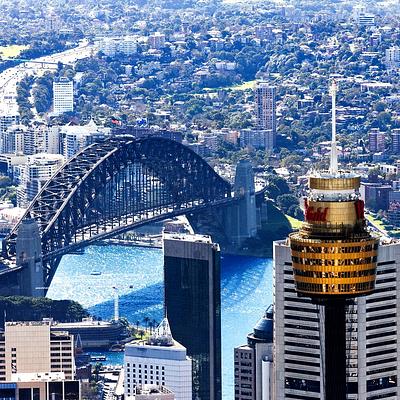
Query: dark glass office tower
(193, 305)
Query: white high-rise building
(156, 40)
(257, 138)
(20, 139)
(373, 337)
(110, 46)
(128, 45)
(14, 139)
(35, 140)
(34, 174)
(159, 361)
(392, 58)
(53, 140)
(7, 120)
(63, 96)
(76, 137)
(376, 140)
(396, 141)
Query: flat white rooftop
(188, 237)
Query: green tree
(285, 201)
(379, 106)
(279, 182)
(273, 191)
(22, 308)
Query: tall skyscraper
(330, 340)
(158, 361)
(63, 96)
(334, 258)
(265, 99)
(32, 347)
(193, 305)
(253, 362)
(372, 340)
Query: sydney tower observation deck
(334, 259)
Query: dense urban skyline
(193, 127)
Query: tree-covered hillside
(19, 308)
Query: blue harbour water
(137, 273)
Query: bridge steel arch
(113, 186)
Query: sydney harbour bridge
(106, 189)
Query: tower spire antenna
(333, 169)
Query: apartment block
(32, 347)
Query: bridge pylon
(29, 258)
(241, 217)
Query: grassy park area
(295, 223)
(239, 87)
(11, 51)
(243, 86)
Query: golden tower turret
(333, 253)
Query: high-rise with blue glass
(193, 306)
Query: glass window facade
(193, 305)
